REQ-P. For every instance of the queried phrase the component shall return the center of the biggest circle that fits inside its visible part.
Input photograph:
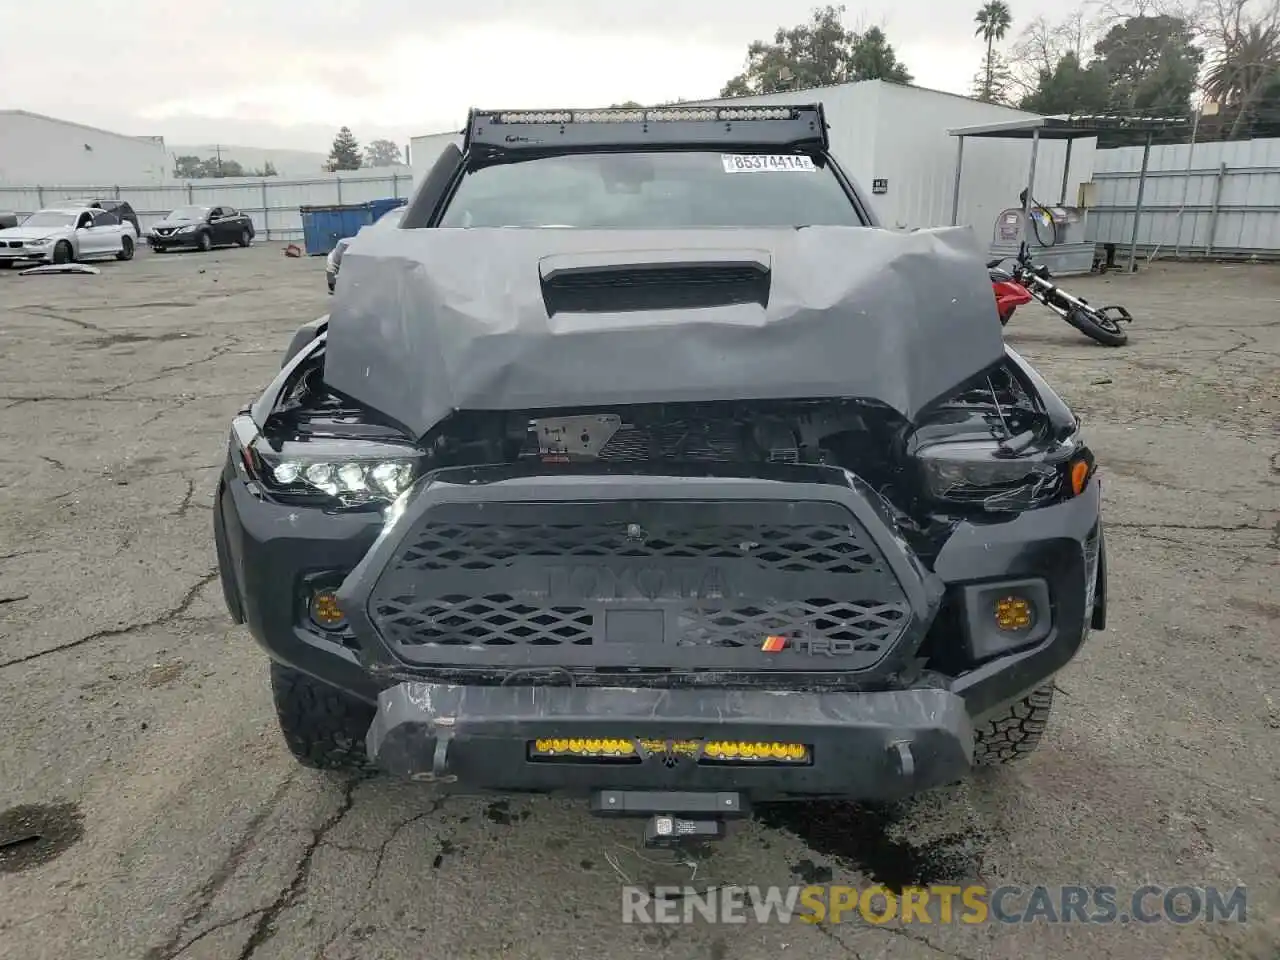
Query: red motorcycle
(1009, 293)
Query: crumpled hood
(436, 320)
(166, 222)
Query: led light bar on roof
(656, 115)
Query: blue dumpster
(383, 206)
(324, 226)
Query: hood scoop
(606, 282)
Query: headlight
(337, 472)
(43, 241)
(187, 229)
(980, 473)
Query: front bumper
(267, 551)
(26, 254)
(174, 240)
(866, 746)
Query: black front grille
(15, 244)
(640, 584)
(791, 548)
(717, 441)
(655, 288)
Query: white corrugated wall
(1227, 204)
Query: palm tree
(1241, 70)
(993, 20)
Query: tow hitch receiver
(675, 818)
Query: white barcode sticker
(754, 163)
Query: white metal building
(51, 152)
(893, 139)
(424, 151)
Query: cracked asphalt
(126, 692)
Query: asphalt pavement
(148, 808)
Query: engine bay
(998, 421)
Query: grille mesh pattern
(492, 620)
(822, 548)
(641, 584)
(864, 626)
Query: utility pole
(218, 148)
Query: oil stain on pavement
(859, 837)
(33, 834)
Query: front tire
(62, 252)
(205, 243)
(159, 248)
(1101, 328)
(1014, 735)
(245, 239)
(323, 727)
(126, 249)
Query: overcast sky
(286, 73)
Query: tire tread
(1015, 735)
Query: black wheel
(1014, 736)
(206, 242)
(245, 238)
(323, 727)
(126, 249)
(159, 249)
(62, 252)
(1101, 328)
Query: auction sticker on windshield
(744, 163)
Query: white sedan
(65, 234)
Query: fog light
(325, 612)
(1014, 613)
(586, 748)
(737, 751)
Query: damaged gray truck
(639, 462)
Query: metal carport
(1070, 129)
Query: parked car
(725, 494)
(201, 227)
(64, 234)
(121, 208)
(333, 263)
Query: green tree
(994, 20)
(1151, 64)
(383, 153)
(187, 167)
(1243, 69)
(993, 82)
(819, 52)
(872, 58)
(268, 169)
(345, 154)
(1070, 88)
(217, 168)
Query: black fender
(303, 336)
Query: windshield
(49, 218)
(652, 191)
(190, 213)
